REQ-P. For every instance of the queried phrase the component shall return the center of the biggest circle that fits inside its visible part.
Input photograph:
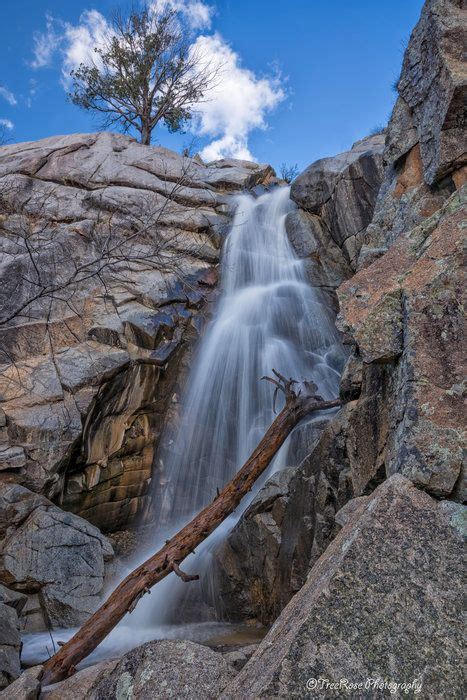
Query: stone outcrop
(379, 604)
(425, 151)
(405, 313)
(166, 669)
(109, 254)
(266, 558)
(339, 194)
(56, 556)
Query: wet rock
(266, 558)
(379, 603)
(166, 669)
(55, 554)
(342, 192)
(325, 265)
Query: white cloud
(45, 44)
(80, 41)
(237, 104)
(7, 95)
(75, 43)
(7, 124)
(196, 13)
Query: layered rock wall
(109, 261)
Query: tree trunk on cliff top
(125, 597)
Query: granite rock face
(404, 311)
(425, 152)
(166, 669)
(379, 603)
(109, 253)
(56, 555)
(432, 88)
(341, 191)
(26, 687)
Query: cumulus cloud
(80, 40)
(237, 104)
(8, 95)
(74, 43)
(6, 124)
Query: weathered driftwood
(127, 594)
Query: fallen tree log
(127, 594)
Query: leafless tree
(289, 172)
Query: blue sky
(307, 77)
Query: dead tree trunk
(125, 597)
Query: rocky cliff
(109, 259)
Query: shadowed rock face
(341, 191)
(266, 558)
(405, 310)
(90, 371)
(379, 603)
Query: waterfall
(268, 316)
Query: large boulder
(109, 252)
(54, 554)
(165, 669)
(80, 685)
(342, 192)
(378, 607)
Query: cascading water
(268, 316)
